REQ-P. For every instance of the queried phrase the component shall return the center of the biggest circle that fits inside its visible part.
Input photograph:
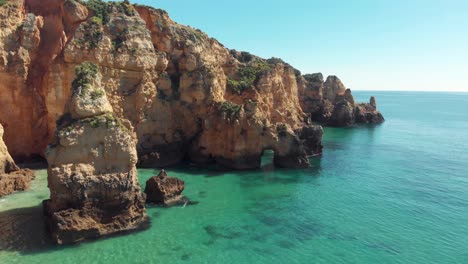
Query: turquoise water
(395, 193)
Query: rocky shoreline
(12, 178)
(98, 87)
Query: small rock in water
(164, 190)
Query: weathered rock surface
(92, 173)
(184, 94)
(12, 178)
(164, 190)
(330, 103)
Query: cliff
(184, 94)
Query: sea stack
(164, 190)
(12, 178)
(331, 103)
(92, 176)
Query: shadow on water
(23, 230)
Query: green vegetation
(109, 120)
(93, 32)
(274, 61)
(247, 76)
(99, 8)
(118, 43)
(85, 74)
(96, 94)
(232, 110)
(282, 130)
(3, 2)
(126, 8)
(102, 9)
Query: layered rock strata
(164, 190)
(12, 178)
(92, 176)
(185, 94)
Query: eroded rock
(168, 81)
(12, 178)
(92, 174)
(330, 103)
(164, 190)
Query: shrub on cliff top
(85, 74)
(102, 9)
(3, 2)
(247, 76)
(99, 8)
(92, 34)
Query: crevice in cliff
(56, 32)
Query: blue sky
(369, 44)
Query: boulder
(164, 190)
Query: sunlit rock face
(184, 94)
(92, 176)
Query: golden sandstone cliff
(184, 93)
(108, 84)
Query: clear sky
(369, 44)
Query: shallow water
(395, 193)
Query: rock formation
(12, 178)
(330, 103)
(184, 93)
(92, 176)
(164, 190)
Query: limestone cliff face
(12, 178)
(92, 173)
(183, 93)
(330, 103)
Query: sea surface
(394, 193)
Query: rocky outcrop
(12, 178)
(164, 190)
(330, 103)
(92, 176)
(183, 93)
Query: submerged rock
(12, 178)
(92, 176)
(164, 190)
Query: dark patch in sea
(259, 238)
(176, 248)
(287, 244)
(383, 247)
(222, 233)
(341, 237)
(185, 257)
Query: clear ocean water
(394, 193)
